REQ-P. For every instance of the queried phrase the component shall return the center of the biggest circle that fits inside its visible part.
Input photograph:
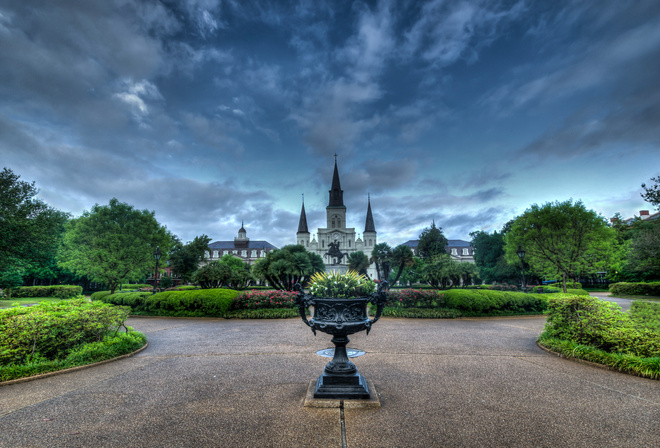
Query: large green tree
(489, 257)
(432, 242)
(186, 258)
(114, 243)
(561, 238)
(285, 267)
(30, 231)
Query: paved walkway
(232, 383)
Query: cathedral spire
(336, 193)
(369, 225)
(302, 224)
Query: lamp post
(157, 255)
(521, 254)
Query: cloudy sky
(210, 112)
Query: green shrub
(423, 313)
(469, 302)
(641, 366)
(110, 347)
(99, 295)
(586, 320)
(268, 313)
(646, 315)
(635, 289)
(59, 291)
(197, 303)
(134, 287)
(50, 330)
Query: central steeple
(336, 210)
(336, 193)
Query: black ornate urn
(341, 317)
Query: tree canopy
(186, 258)
(561, 238)
(30, 231)
(358, 262)
(489, 257)
(381, 256)
(285, 267)
(113, 243)
(402, 257)
(432, 242)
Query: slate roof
(251, 245)
(450, 243)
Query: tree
(212, 275)
(241, 272)
(561, 238)
(186, 258)
(114, 243)
(436, 271)
(643, 256)
(402, 257)
(432, 242)
(358, 262)
(489, 257)
(652, 192)
(285, 267)
(30, 231)
(381, 256)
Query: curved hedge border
(635, 289)
(598, 331)
(463, 303)
(57, 335)
(193, 303)
(59, 291)
(631, 364)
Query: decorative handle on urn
(379, 299)
(303, 301)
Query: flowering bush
(414, 298)
(343, 286)
(254, 300)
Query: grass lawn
(27, 301)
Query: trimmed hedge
(59, 291)
(646, 315)
(586, 320)
(192, 303)
(635, 365)
(469, 302)
(635, 289)
(50, 330)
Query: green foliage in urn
(342, 286)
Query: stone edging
(71, 369)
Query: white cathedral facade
(336, 241)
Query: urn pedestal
(341, 317)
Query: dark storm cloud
(211, 112)
(614, 63)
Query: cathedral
(336, 241)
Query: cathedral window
(333, 223)
(322, 243)
(349, 243)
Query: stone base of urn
(344, 387)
